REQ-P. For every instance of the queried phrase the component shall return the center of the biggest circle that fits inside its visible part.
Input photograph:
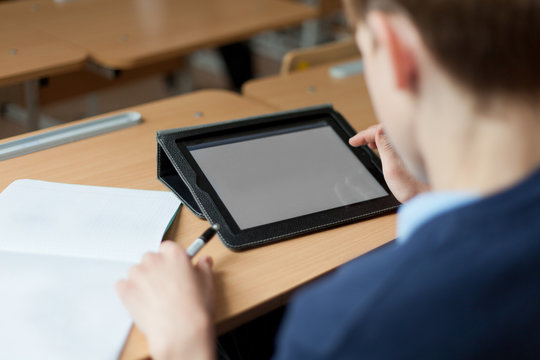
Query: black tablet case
(174, 171)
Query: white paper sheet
(84, 221)
(62, 249)
(60, 308)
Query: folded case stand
(180, 177)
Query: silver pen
(197, 245)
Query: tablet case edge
(172, 180)
(172, 177)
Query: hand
(402, 184)
(172, 303)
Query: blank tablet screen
(283, 174)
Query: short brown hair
(492, 46)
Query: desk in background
(315, 86)
(248, 284)
(41, 38)
(27, 54)
(125, 34)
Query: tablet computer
(273, 177)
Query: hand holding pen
(169, 298)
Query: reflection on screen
(286, 174)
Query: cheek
(384, 98)
(393, 111)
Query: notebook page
(83, 221)
(56, 307)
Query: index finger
(365, 137)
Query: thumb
(393, 167)
(204, 265)
(386, 150)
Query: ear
(392, 35)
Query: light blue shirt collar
(426, 206)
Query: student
(456, 87)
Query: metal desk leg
(31, 97)
(311, 29)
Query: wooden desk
(123, 34)
(315, 86)
(28, 54)
(248, 283)
(45, 38)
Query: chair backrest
(302, 59)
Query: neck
(481, 151)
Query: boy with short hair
(456, 88)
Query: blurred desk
(124, 34)
(41, 38)
(248, 284)
(27, 54)
(315, 86)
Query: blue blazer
(466, 285)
